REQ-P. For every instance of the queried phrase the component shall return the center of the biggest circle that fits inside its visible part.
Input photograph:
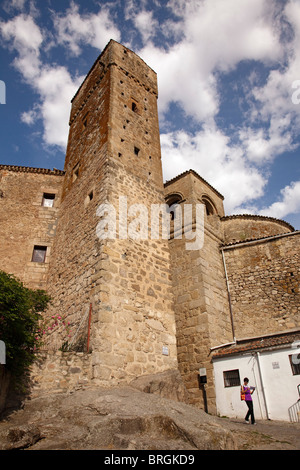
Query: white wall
(280, 385)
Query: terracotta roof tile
(29, 169)
(197, 176)
(258, 343)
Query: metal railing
(294, 410)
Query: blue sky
(228, 77)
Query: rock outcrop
(122, 418)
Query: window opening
(75, 172)
(48, 200)
(231, 378)
(172, 201)
(85, 120)
(136, 150)
(295, 363)
(39, 254)
(208, 206)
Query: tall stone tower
(113, 161)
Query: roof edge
(256, 216)
(251, 241)
(29, 169)
(256, 343)
(193, 172)
(98, 58)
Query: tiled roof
(197, 176)
(272, 341)
(29, 169)
(260, 239)
(260, 217)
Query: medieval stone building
(126, 306)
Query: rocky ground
(120, 418)
(143, 416)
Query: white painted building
(272, 364)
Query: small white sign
(165, 351)
(202, 371)
(275, 365)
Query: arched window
(172, 200)
(209, 205)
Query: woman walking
(245, 389)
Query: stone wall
(60, 371)
(201, 303)
(25, 222)
(264, 279)
(243, 227)
(148, 305)
(113, 151)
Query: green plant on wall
(20, 314)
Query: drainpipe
(229, 298)
(262, 384)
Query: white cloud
(146, 24)
(211, 38)
(216, 36)
(24, 34)
(75, 30)
(29, 117)
(142, 19)
(56, 88)
(210, 154)
(274, 110)
(54, 84)
(9, 5)
(289, 203)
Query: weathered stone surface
(167, 384)
(117, 418)
(156, 305)
(26, 222)
(19, 437)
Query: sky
(228, 79)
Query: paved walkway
(265, 435)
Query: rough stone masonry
(123, 307)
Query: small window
(75, 172)
(48, 200)
(173, 200)
(210, 210)
(231, 378)
(295, 363)
(134, 107)
(85, 121)
(39, 254)
(136, 150)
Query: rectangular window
(231, 378)
(39, 254)
(295, 363)
(48, 200)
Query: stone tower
(201, 300)
(113, 161)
